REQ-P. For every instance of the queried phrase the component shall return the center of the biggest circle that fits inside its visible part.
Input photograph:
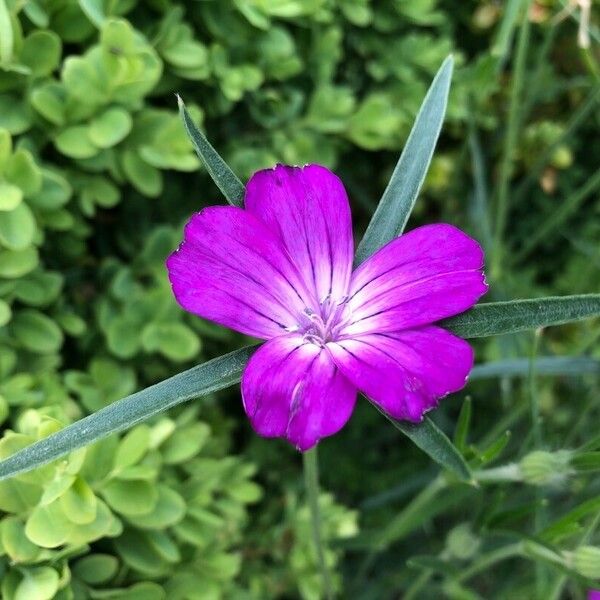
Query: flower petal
(308, 209)
(294, 390)
(232, 270)
(405, 373)
(428, 274)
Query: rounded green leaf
(5, 313)
(10, 196)
(57, 488)
(75, 142)
(14, 114)
(39, 583)
(138, 553)
(17, 227)
(49, 100)
(169, 510)
(48, 526)
(96, 568)
(133, 447)
(104, 525)
(41, 52)
(14, 541)
(36, 332)
(185, 443)
(133, 497)
(55, 192)
(144, 177)
(39, 288)
(16, 263)
(22, 171)
(173, 340)
(111, 127)
(79, 502)
(123, 337)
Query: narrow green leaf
(222, 175)
(461, 433)
(503, 40)
(546, 365)
(199, 381)
(403, 188)
(496, 318)
(434, 442)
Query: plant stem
(311, 481)
(506, 166)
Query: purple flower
(281, 270)
(594, 595)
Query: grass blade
(403, 188)
(496, 318)
(226, 180)
(209, 377)
(558, 216)
(510, 142)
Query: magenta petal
(232, 270)
(405, 373)
(308, 209)
(428, 274)
(294, 390)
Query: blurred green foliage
(96, 176)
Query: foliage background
(96, 179)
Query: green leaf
(41, 52)
(132, 448)
(96, 568)
(169, 510)
(10, 196)
(48, 526)
(176, 341)
(6, 34)
(5, 313)
(39, 583)
(199, 381)
(75, 142)
(217, 168)
(36, 332)
(434, 442)
(111, 127)
(79, 503)
(17, 227)
(496, 318)
(94, 11)
(16, 263)
(403, 188)
(131, 497)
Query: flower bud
(586, 561)
(545, 468)
(461, 542)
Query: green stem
(533, 391)
(487, 560)
(506, 166)
(311, 481)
